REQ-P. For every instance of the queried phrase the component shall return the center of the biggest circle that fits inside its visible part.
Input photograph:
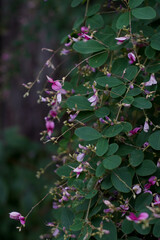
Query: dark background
(25, 28)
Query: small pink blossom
(72, 117)
(158, 163)
(50, 126)
(17, 216)
(120, 40)
(156, 200)
(146, 126)
(56, 232)
(64, 52)
(152, 180)
(134, 131)
(142, 216)
(56, 85)
(78, 170)
(80, 157)
(137, 189)
(132, 57)
(82, 147)
(152, 81)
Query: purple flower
(146, 126)
(156, 200)
(132, 57)
(56, 232)
(120, 40)
(142, 216)
(145, 144)
(56, 85)
(158, 163)
(78, 170)
(17, 216)
(72, 117)
(50, 126)
(152, 180)
(152, 81)
(137, 189)
(80, 157)
(134, 131)
(64, 51)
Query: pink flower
(17, 216)
(80, 157)
(50, 126)
(152, 180)
(78, 170)
(146, 126)
(132, 57)
(84, 29)
(64, 51)
(158, 163)
(82, 147)
(137, 189)
(134, 131)
(152, 81)
(94, 99)
(72, 117)
(142, 216)
(120, 40)
(56, 232)
(157, 200)
(56, 85)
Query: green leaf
(146, 168)
(134, 92)
(136, 158)
(95, 21)
(102, 112)
(65, 170)
(100, 170)
(154, 68)
(125, 150)
(77, 225)
(134, 238)
(98, 60)
(110, 81)
(154, 140)
(91, 183)
(142, 201)
(101, 147)
(155, 40)
(87, 133)
(131, 72)
(119, 65)
(4, 192)
(156, 229)
(75, 3)
(149, 52)
(93, 9)
(67, 217)
(113, 147)
(128, 100)
(113, 131)
(144, 13)
(106, 183)
(123, 20)
(142, 103)
(78, 183)
(126, 126)
(79, 103)
(139, 228)
(91, 194)
(95, 210)
(91, 46)
(112, 162)
(135, 3)
(121, 179)
(127, 226)
(118, 91)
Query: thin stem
(36, 205)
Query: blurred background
(25, 28)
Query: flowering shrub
(109, 145)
